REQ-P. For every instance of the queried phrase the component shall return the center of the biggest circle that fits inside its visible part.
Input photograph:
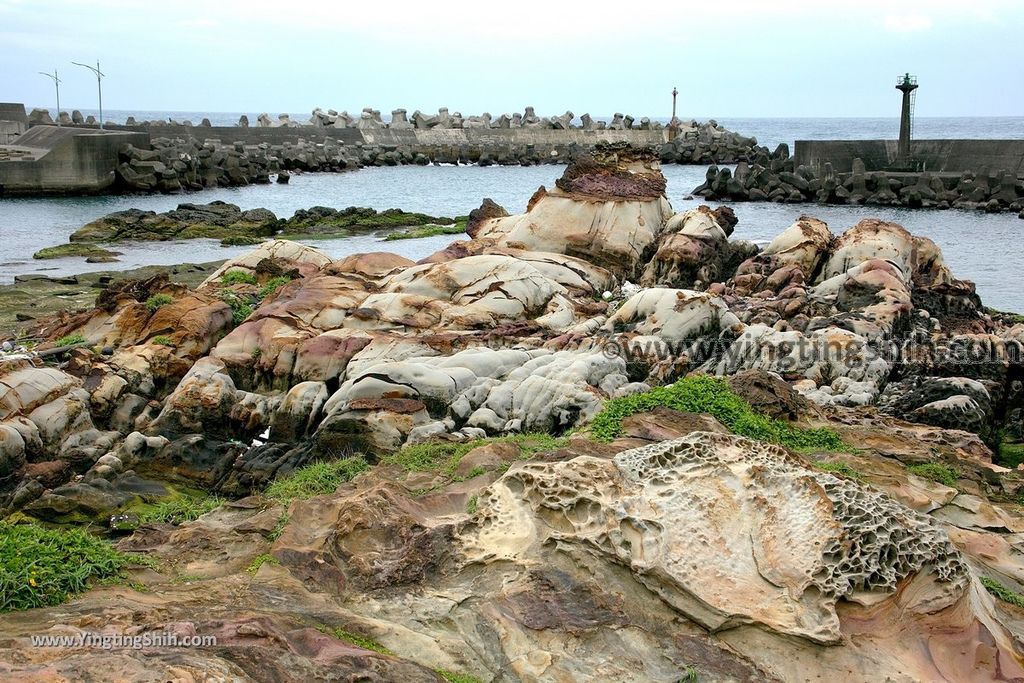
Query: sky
(739, 58)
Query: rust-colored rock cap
(615, 171)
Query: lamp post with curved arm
(56, 84)
(99, 85)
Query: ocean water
(985, 248)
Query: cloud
(907, 23)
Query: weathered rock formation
(675, 547)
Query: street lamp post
(56, 84)
(99, 85)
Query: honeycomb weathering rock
(726, 530)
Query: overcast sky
(739, 58)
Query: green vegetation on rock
(355, 639)
(840, 468)
(452, 677)
(40, 567)
(1002, 592)
(272, 286)
(944, 474)
(316, 479)
(259, 561)
(712, 395)
(163, 340)
(241, 241)
(236, 277)
(324, 221)
(278, 529)
(70, 340)
(240, 309)
(689, 676)
(457, 228)
(444, 456)
(157, 300)
(181, 509)
(1009, 454)
(73, 249)
(1007, 317)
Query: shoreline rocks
(233, 226)
(671, 542)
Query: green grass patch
(444, 456)
(1009, 454)
(272, 286)
(428, 231)
(259, 561)
(706, 394)
(179, 510)
(840, 468)
(40, 567)
(691, 675)
(163, 340)
(316, 479)
(240, 308)
(187, 578)
(452, 677)
(472, 504)
(278, 529)
(944, 474)
(238, 277)
(70, 340)
(1002, 592)
(157, 300)
(355, 639)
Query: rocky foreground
(830, 509)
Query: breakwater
(175, 157)
(962, 174)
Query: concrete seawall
(936, 156)
(52, 160)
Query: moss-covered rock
(429, 230)
(73, 249)
(241, 241)
(188, 221)
(235, 227)
(321, 220)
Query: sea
(984, 248)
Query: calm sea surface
(984, 248)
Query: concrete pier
(53, 160)
(937, 156)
